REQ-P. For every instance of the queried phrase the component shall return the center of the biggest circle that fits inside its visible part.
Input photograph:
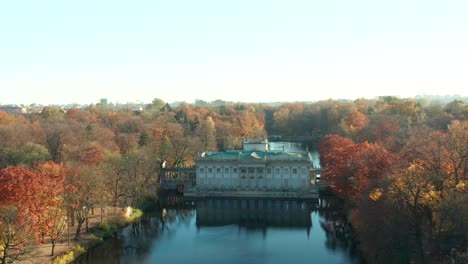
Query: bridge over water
(177, 178)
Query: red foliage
(32, 192)
(356, 121)
(351, 167)
(92, 155)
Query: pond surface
(233, 231)
(296, 147)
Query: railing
(177, 178)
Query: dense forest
(400, 165)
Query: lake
(235, 230)
(227, 230)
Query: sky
(243, 50)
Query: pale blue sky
(243, 50)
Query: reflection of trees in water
(177, 209)
(143, 233)
(338, 231)
(136, 241)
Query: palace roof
(242, 155)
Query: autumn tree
(352, 167)
(55, 218)
(26, 196)
(457, 147)
(15, 234)
(353, 123)
(207, 134)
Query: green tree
(157, 104)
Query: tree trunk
(419, 242)
(72, 217)
(5, 252)
(53, 247)
(78, 229)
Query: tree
(354, 122)
(157, 104)
(55, 218)
(166, 149)
(26, 195)
(352, 167)
(144, 139)
(54, 130)
(15, 234)
(413, 189)
(84, 193)
(336, 156)
(457, 145)
(208, 134)
(28, 154)
(457, 108)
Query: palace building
(254, 171)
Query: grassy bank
(99, 234)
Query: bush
(137, 213)
(70, 256)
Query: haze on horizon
(249, 51)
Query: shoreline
(98, 233)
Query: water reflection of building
(255, 171)
(255, 213)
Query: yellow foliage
(462, 186)
(376, 194)
(70, 256)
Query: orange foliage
(32, 192)
(92, 155)
(5, 118)
(352, 167)
(355, 121)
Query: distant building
(254, 171)
(13, 110)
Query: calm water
(233, 231)
(296, 147)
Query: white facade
(255, 168)
(273, 176)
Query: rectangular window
(226, 170)
(234, 170)
(210, 170)
(243, 170)
(269, 170)
(202, 170)
(218, 170)
(251, 170)
(286, 170)
(303, 170)
(260, 170)
(294, 171)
